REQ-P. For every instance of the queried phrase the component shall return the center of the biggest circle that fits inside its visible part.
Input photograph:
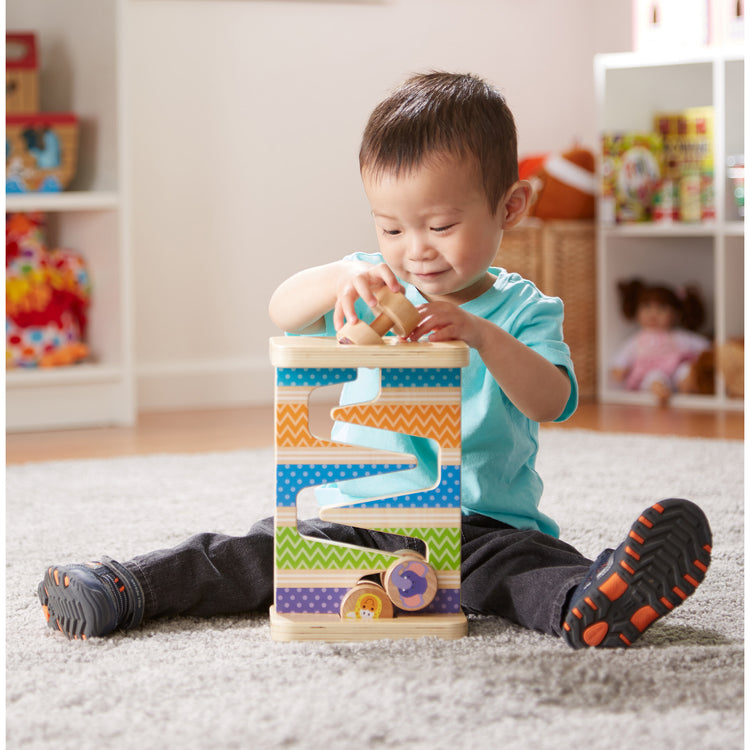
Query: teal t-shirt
(499, 444)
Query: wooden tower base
(332, 628)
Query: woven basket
(560, 258)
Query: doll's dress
(652, 355)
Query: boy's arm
(300, 303)
(537, 388)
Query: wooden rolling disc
(366, 600)
(395, 311)
(410, 582)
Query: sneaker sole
(72, 607)
(663, 561)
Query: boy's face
(435, 228)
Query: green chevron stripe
(444, 544)
(295, 552)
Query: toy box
(688, 139)
(21, 74)
(41, 151)
(632, 165)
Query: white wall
(244, 122)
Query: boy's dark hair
(686, 302)
(438, 112)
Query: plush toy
(728, 359)
(659, 356)
(46, 297)
(564, 184)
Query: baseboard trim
(196, 384)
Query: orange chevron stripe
(293, 427)
(441, 422)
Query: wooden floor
(252, 427)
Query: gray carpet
(189, 683)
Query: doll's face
(656, 316)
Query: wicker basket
(560, 258)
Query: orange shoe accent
(680, 593)
(614, 587)
(590, 603)
(644, 617)
(627, 567)
(577, 613)
(566, 626)
(698, 564)
(707, 547)
(594, 634)
(59, 627)
(637, 538)
(624, 640)
(632, 553)
(691, 580)
(658, 508)
(666, 602)
(45, 609)
(122, 588)
(56, 576)
(645, 522)
(66, 581)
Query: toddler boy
(439, 166)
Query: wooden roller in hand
(395, 311)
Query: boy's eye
(442, 228)
(390, 232)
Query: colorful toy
(632, 170)
(688, 161)
(658, 357)
(46, 297)
(330, 591)
(395, 312)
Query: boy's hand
(445, 321)
(363, 282)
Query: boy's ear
(516, 203)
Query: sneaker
(660, 564)
(90, 600)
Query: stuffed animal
(46, 297)
(564, 184)
(728, 359)
(659, 356)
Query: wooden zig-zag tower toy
(331, 591)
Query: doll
(659, 355)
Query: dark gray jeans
(524, 576)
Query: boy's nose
(420, 247)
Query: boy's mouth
(428, 275)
